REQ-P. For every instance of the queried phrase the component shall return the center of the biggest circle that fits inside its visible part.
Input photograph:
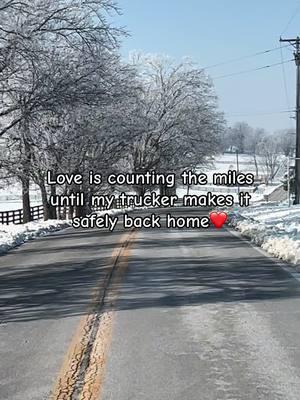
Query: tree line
(267, 150)
(70, 104)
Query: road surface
(151, 314)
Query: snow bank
(275, 228)
(15, 235)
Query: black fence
(16, 216)
(37, 213)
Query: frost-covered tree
(53, 56)
(178, 119)
(70, 105)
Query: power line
(244, 57)
(253, 69)
(296, 43)
(291, 20)
(285, 83)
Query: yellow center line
(81, 375)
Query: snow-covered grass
(275, 228)
(15, 235)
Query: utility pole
(288, 177)
(237, 167)
(296, 43)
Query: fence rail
(16, 216)
(37, 213)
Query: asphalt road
(188, 314)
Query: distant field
(10, 197)
(226, 162)
(15, 205)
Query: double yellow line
(82, 373)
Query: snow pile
(275, 228)
(15, 235)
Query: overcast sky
(212, 32)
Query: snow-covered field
(16, 204)
(275, 228)
(11, 198)
(228, 161)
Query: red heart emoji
(218, 218)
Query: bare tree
(254, 139)
(287, 141)
(270, 157)
(240, 132)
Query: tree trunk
(140, 190)
(52, 210)
(162, 190)
(70, 212)
(62, 213)
(45, 201)
(81, 211)
(256, 166)
(26, 172)
(89, 201)
(26, 200)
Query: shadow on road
(212, 282)
(223, 269)
(54, 276)
(159, 275)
